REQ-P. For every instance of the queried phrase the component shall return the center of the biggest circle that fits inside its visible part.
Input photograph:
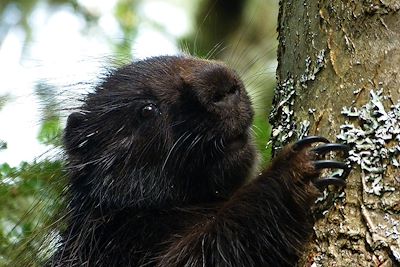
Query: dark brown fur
(168, 188)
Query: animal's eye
(149, 111)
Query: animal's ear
(75, 120)
(72, 134)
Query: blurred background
(52, 53)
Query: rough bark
(339, 76)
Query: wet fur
(171, 189)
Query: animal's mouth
(237, 142)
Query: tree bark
(339, 77)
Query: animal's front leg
(265, 223)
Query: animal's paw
(313, 162)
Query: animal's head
(160, 131)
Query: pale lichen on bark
(282, 114)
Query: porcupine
(160, 160)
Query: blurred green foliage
(3, 101)
(51, 130)
(30, 192)
(125, 13)
(237, 32)
(29, 195)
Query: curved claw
(332, 164)
(324, 182)
(346, 172)
(309, 140)
(323, 149)
(331, 180)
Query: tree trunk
(338, 76)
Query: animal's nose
(226, 95)
(220, 86)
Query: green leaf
(262, 130)
(50, 132)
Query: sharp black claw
(323, 149)
(324, 182)
(309, 140)
(332, 164)
(338, 180)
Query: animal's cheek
(126, 143)
(75, 144)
